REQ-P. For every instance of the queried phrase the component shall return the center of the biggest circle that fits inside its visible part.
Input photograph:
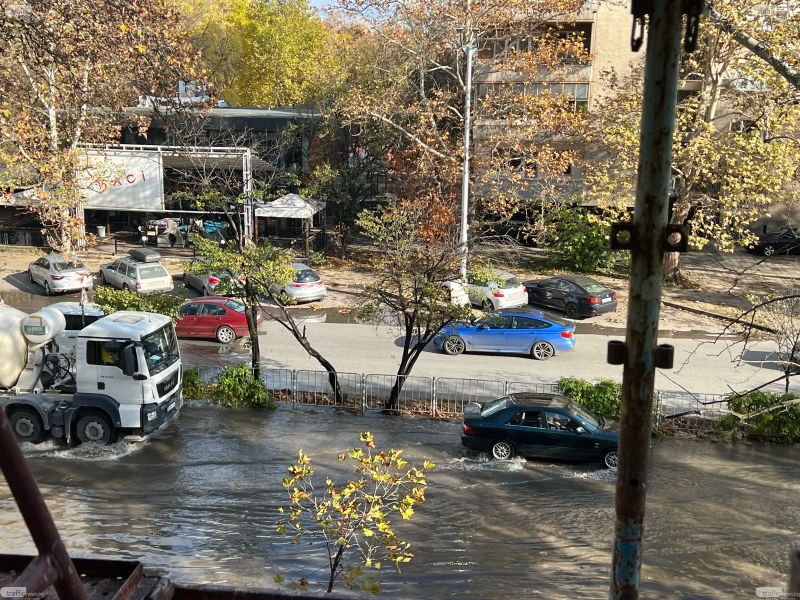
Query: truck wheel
(96, 427)
(27, 426)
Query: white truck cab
(125, 378)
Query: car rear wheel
(454, 345)
(207, 292)
(30, 275)
(610, 459)
(572, 310)
(125, 287)
(225, 335)
(487, 306)
(542, 351)
(502, 451)
(47, 290)
(96, 427)
(102, 278)
(27, 426)
(769, 250)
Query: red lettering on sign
(130, 178)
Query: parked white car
(140, 272)
(456, 292)
(58, 273)
(77, 317)
(503, 291)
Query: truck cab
(125, 377)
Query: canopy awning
(290, 206)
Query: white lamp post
(469, 44)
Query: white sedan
(58, 273)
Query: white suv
(140, 272)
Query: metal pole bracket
(640, 9)
(617, 352)
(623, 236)
(676, 238)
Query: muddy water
(201, 501)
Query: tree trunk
(333, 377)
(672, 270)
(252, 327)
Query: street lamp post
(469, 43)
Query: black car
(575, 295)
(546, 426)
(783, 241)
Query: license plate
(604, 300)
(171, 407)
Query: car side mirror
(579, 429)
(483, 326)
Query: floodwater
(201, 501)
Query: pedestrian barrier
(446, 397)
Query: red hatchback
(215, 317)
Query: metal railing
(446, 397)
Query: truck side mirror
(128, 361)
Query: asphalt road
(701, 366)
(702, 363)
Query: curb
(705, 313)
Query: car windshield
(235, 306)
(152, 272)
(68, 265)
(509, 282)
(556, 319)
(493, 406)
(589, 420)
(594, 287)
(306, 276)
(160, 349)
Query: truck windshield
(160, 349)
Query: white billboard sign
(116, 179)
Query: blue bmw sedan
(516, 331)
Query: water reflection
(201, 501)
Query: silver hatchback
(306, 286)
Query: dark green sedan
(546, 426)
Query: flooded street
(201, 502)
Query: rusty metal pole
(53, 565)
(647, 242)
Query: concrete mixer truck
(124, 378)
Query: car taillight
(57, 277)
(138, 285)
(524, 289)
(170, 280)
(468, 429)
(242, 278)
(614, 296)
(498, 294)
(566, 334)
(594, 299)
(213, 280)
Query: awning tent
(290, 206)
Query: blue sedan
(517, 331)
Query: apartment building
(510, 164)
